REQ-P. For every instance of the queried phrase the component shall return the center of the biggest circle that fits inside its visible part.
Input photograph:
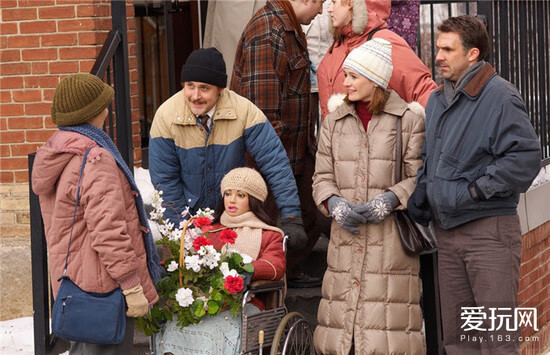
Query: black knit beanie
(79, 98)
(205, 65)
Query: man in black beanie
(203, 132)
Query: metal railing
(111, 65)
(519, 49)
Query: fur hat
(205, 65)
(372, 60)
(79, 98)
(247, 180)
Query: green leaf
(198, 308)
(216, 296)
(213, 307)
(248, 268)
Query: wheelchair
(274, 328)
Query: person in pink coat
(111, 245)
(353, 23)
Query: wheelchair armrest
(261, 285)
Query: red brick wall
(534, 287)
(41, 41)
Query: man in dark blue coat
(480, 153)
(204, 131)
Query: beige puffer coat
(371, 289)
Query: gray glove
(343, 213)
(293, 226)
(378, 208)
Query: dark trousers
(124, 348)
(315, 222)
(479, 267)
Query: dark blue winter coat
(485, 136)
(187, 163)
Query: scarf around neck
(451, 90)
(249, 232)
(104, 141)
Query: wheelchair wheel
(293, 336)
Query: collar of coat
(226, 109)
(395, 106)
(477, 83)
(285, 20)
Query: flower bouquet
(201, 280)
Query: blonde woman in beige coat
(371, 289)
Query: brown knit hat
(247, 180)
(79, 98)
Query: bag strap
(75, 206)
(371, 33)
(398, 155)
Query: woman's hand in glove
(136, 302)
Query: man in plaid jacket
(272, 69)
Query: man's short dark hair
(472, 33)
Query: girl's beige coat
(371, 289)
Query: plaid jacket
(272, 70)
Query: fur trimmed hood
(367, 15)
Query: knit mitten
(136, 302)
(378, 208)
(342, 211)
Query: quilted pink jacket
(107, 247)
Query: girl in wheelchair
(242, 209)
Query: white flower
(210, 256)
(185, 212)
(247, 259)
(173, 266)
(193, 262)
(166, 228)
(175, 235)
(224, 267)
(207, 212)
(184, 297)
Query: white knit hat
(372, 60)
(247, 180)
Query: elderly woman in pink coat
(111, 245)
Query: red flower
(201, 241)
(206, 228)
(202, 221)
(228, 236)
(233, 284)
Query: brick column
(534, 288)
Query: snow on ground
(542, 177)
(143, 181)
(17, 337)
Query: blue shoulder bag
(89, 317)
